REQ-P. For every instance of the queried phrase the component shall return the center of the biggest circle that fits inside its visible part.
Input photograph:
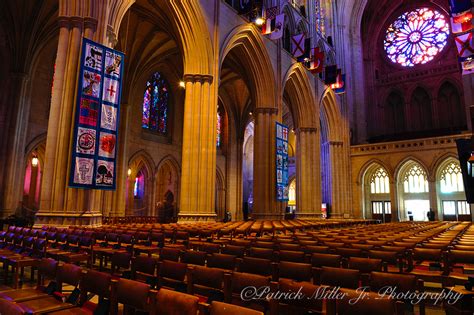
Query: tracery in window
(156, 104)
(416, 37)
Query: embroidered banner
(96, 122)
(282, 162)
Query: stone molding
(202, 78)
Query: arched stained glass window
(415, 180)
(219, 127)
(416, 37)
(155, 104)
(379, 183)
(451, 179)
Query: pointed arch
(405, 163)
(369, 165)
(191, 28)
(300, 96)
(167, 188)
(254, 57)
(331, 120)
(141, 159)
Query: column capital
(90, 22)
(64, 21)
(266, 110)
(335, 143)
(202, 78)
(76, 21)
(307, 129)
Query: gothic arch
(331, 120)
(254, 57)
(368, 166)
(441, 162)
(167, 183)
(191, 27)
(406, 162)
(141, 158)
(301, 97)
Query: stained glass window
(416, 37)
(155, 104)
(219, 128)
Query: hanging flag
(467, 65)
(268, 26)
(297, 45)
(340, 85)
(316, 63)
(458, 6)
(278, 31)
(465, 45)
(307, 51)
(461, 22)
(330, 75)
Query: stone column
(198, 175)
(61, 205)
(15, 155)
(337, 180)
(308, 170)
(393, 202)
(433, 191)
(264, 185)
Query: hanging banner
(94, 153)
(282, 162)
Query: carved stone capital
(336, 143)
(64, 22)
(90, 23)
(77, 21)
(201, 78)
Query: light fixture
(182, 84)
(259, 21)
(250, 114)
(34, 161)
(129, 172)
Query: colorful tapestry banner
(281, 162)
(96, 122)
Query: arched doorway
(451, 196)
(413, 192)
(376, 189)
(166, 192)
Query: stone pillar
(198, 175)
(308, 174)
(61, 205)
(15, 155)
(337, 180)
(433, 191)
(118, 200)
(393, 202)
(264, 187)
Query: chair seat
(22, 295)
(44, 305)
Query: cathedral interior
(299, 123)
